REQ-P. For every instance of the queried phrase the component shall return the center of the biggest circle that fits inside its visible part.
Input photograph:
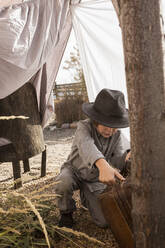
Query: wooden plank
(17, 174)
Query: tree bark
(26, 135)
(142, 41)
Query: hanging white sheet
(100, 43)
(162, 10)
(33, 35)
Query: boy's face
(106, 132)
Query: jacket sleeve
(119, 153)
(84, 141)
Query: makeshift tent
(33, 37)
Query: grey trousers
(68, 183)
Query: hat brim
(109, 121)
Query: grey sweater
(88, 146)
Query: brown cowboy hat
(108, 109)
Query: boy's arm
(90, 154)
(107, 173)
(87, 149)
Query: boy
(99, 152)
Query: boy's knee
(64, 185)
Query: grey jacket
(88, 146)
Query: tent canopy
(34, 35)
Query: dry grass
(22, 217)
(11, 117)
(25, 222)
(79, 234)
(69, 110)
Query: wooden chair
(26, 135)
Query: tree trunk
(142, 40)
(26, 135)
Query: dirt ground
(58, 143)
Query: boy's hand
(107, 173)
(128, 157)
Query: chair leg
(43, 163)
(17, 174)
(26, 165)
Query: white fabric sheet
(23, 47)
(100, 43)
(33, 35)
(162, 6)
(99, 38)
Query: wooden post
(43, 163)
(26, 165)
(17, 174)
